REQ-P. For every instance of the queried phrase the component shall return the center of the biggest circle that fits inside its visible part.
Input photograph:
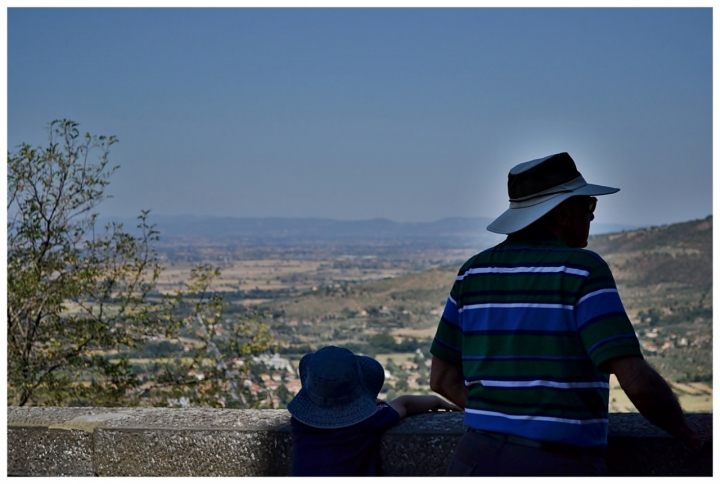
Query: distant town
(384, 300)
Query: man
(530, 333)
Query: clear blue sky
(406, 114)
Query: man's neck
(534, 233)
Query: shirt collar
(519, 239)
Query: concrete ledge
(50, 441)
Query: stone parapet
(51, 441)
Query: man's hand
(656, 401)
(448, 380)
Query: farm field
(271, 274)
(694, 397)
(360, 297)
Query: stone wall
(50, 441)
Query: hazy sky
(406, 114)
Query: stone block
(421, 445)
(36, 451)
(48, 441)
(194, 442)
(52, 441)
(638, 448)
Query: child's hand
(447, 406)
(415, 404)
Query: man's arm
(448, 380)
(655, 400)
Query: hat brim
(309, 413)
(515, 219)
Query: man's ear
(562, 214)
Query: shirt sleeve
(603, 324)
(384, 418)
(447, 344)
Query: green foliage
(214, 371)
(157, 349)
(71, 291)
(652, 316)
(382, 341)
(401, 386)
(284, 396)
(77, 293)
(684, 364)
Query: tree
(401, 385)
(76, 294)
(214, 372)
(284, 396)
(382, 341)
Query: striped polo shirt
(532, 324)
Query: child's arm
(414, 404)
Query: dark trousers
(481, 454)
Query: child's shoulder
(385, 417)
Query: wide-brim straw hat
(339, 388)
(536, 187)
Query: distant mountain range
(463, 230)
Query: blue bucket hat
(339, 388)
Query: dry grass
(396, 357)
(415, 333)
(268, 274)
(694, 397)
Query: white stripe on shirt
(520, 270)
(515, 305)
(538, 383)
(536, 417)
(596, 293)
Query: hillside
(678, 253)
(645, 262)
(413, 300)
(664, 275)
(384, 299)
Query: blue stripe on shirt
(450, 313)
(613, 338)
(596, 305)
(582, 433)
(519, 317)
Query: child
(337, 421)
